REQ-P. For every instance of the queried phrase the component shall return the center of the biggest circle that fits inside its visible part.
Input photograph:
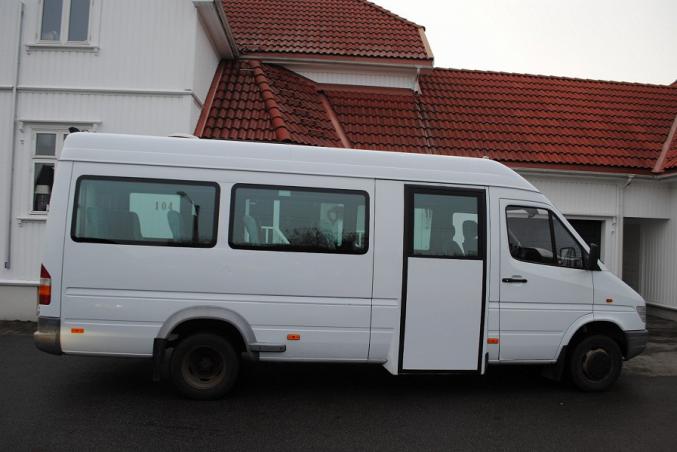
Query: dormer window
(65, 21)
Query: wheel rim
(597, 364)
(203, 367)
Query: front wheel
(204, 366)
(595, 363)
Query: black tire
(204, 366)
(595, 363)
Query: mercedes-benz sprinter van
(207, 252)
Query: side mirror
(593, 258)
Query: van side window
(529, 236)
(299, 219)
(538, 236)
(569, 251)
(145, 212)
(445, 225)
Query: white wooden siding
(579, 196)
(9, 16)
(647, 199)
(658, 272)
(205, 62)
(142, 45)
(357, 75)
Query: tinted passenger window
(569, 252)
(299, 219)
(445, 225)
(145, 212)
(529, 234)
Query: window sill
(32, 218)
(68, 47)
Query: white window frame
(60, 130)
(63, 43)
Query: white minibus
(199, 253)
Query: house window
(47, 146)
(65, 21)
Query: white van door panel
(444, 308)
(442, 324)
(538, 301)
(120, 295)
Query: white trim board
(94, 90)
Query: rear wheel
(204, 366)
(595, 363)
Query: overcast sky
(629, 40)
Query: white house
(98, 65)
(344, 73)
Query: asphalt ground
(74, 403)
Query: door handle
(515, 280)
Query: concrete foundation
(18, 302)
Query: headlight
(641, 310)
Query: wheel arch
(210, 317)
(588, 325)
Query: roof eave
(289, 57)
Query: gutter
(213, 18)
(12, 142)
(218, 4)
(330, 59)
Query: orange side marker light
(293, 337)
(77, 331)
(492, 340)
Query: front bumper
(46, 338)
(636, 341)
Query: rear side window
(299, 219)
(145, 211)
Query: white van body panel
(115, 299)
(387, 289)
(616, 302)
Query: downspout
(12, 143)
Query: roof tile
(515, 118)
(327, 27)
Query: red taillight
(45, 288)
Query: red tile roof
(554, 120)
(251, 101)
(522, 120)
(354, 28)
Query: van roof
(288, 158)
